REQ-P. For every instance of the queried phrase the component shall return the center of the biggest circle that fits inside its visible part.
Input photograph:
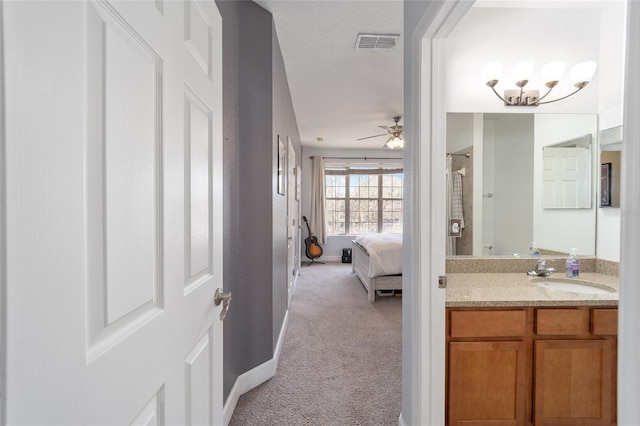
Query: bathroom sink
(572, 287)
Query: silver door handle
(225, 299)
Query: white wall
(611, 64)
(513, 180)
(332, 250)
(516, 34)
(612, 45)
(550, 225)
(460, 132)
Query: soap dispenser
(573, 264)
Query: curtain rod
(361, 158)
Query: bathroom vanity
(519, 353)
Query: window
(361, 200)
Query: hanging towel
(451, 240)
(456, 198)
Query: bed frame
(360, 266)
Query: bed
(377, 261)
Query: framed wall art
(605, 185)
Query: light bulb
(521, 72)
(582, 73)
(552, 72)
(491, 73)
(394, 142)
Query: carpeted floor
(341, 358)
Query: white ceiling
(340, 93)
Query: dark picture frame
(281, 166)
(605, 185)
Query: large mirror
(501, 162)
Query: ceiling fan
(395, 140)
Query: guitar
(313, 250)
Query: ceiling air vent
(376, 41)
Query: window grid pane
(355, 204)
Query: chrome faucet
(541, 269)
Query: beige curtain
(317, 219)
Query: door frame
(424, 307)
(3, 239)
(628, 318)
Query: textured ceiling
(339, 93)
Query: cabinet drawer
(604, 322)
(562, 322)
(488, 323)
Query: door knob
(225, 299)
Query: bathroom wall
(494, 33)
(513, 183)
(548, 224)
(611, 69)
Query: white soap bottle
(572, 264)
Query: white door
(292, 220)
(566, 178)
(114, 220)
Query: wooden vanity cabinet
(573, 381)
(574, 366)
(487, 367)
(531, 366)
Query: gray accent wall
(257, 107)
(286, 127)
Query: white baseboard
(254, 377)
(324, 259)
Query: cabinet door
(487, 383)
(573, 382)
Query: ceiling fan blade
(375, 136)
(385, 127)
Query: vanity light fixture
(580, 75)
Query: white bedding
(385, 253)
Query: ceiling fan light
(394, 142)
(582, 73)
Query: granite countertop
(519, 289)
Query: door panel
(567, 177)
(151, 414)
(573, 380)
(114, 210)
(198, 190)
(198, 385)
(487, 383)
(123, 179)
